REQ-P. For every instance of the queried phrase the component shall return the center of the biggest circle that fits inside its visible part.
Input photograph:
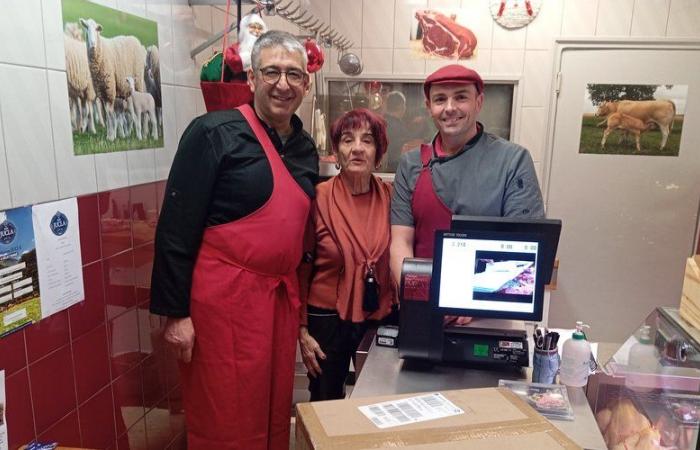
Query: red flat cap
(454, 73)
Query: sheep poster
(113, 75)
(633, 119)
(441, 35)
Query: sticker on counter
(410, 410)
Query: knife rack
(291, 11)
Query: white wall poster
(57, 237)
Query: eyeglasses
(272, 75)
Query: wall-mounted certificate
(58, 253)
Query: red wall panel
(97, 375)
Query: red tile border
(91, 363)
(128, 397)
(144, 213)
(115, 221)
(50, 403)
(77, 361)
(89, 219)
(47, 335)
(13, 352)
(118, 278)
(89, 313)
(124, 346)
(66, 431)
(97, 420)
(20, 417)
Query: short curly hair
(355, 119)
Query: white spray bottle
(575, 359)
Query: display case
(647, 395)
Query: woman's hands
(310, 352)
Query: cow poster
(633, 119)
(441, 35)
(113, 77)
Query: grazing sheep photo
(113, 79)
(633, 119)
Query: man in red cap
(465, 170)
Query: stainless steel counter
(384, 373)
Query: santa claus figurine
(238, 55)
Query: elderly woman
(350, 284)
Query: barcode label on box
(410, 410)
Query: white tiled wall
(36, 150)
(36, 160)
(524, 54)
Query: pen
(555, 339)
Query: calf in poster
(660, 112)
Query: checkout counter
(381, 371)
(494, 270)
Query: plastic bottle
(575, 359)
(643, 355)
(643, 359)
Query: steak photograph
(440, 35)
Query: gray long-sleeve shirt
(490, 177)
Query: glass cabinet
(647, 395)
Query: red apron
(245, 302)
(429, 211)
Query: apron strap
(258, 129)
(426, 154)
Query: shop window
(402, 104)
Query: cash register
(485, 268)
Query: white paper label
(14, 316)
(410, 410)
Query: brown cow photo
(633, 119)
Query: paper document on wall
(410, 410)
(3, 421)
(57, 237)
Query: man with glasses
(228, 243)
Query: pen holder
(545, 365)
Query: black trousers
(339, 340)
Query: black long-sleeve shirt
(219, 174)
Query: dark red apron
(429, 211)
(245, 309)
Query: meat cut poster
(441, 35)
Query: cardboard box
(494, 418)
(690, 298)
